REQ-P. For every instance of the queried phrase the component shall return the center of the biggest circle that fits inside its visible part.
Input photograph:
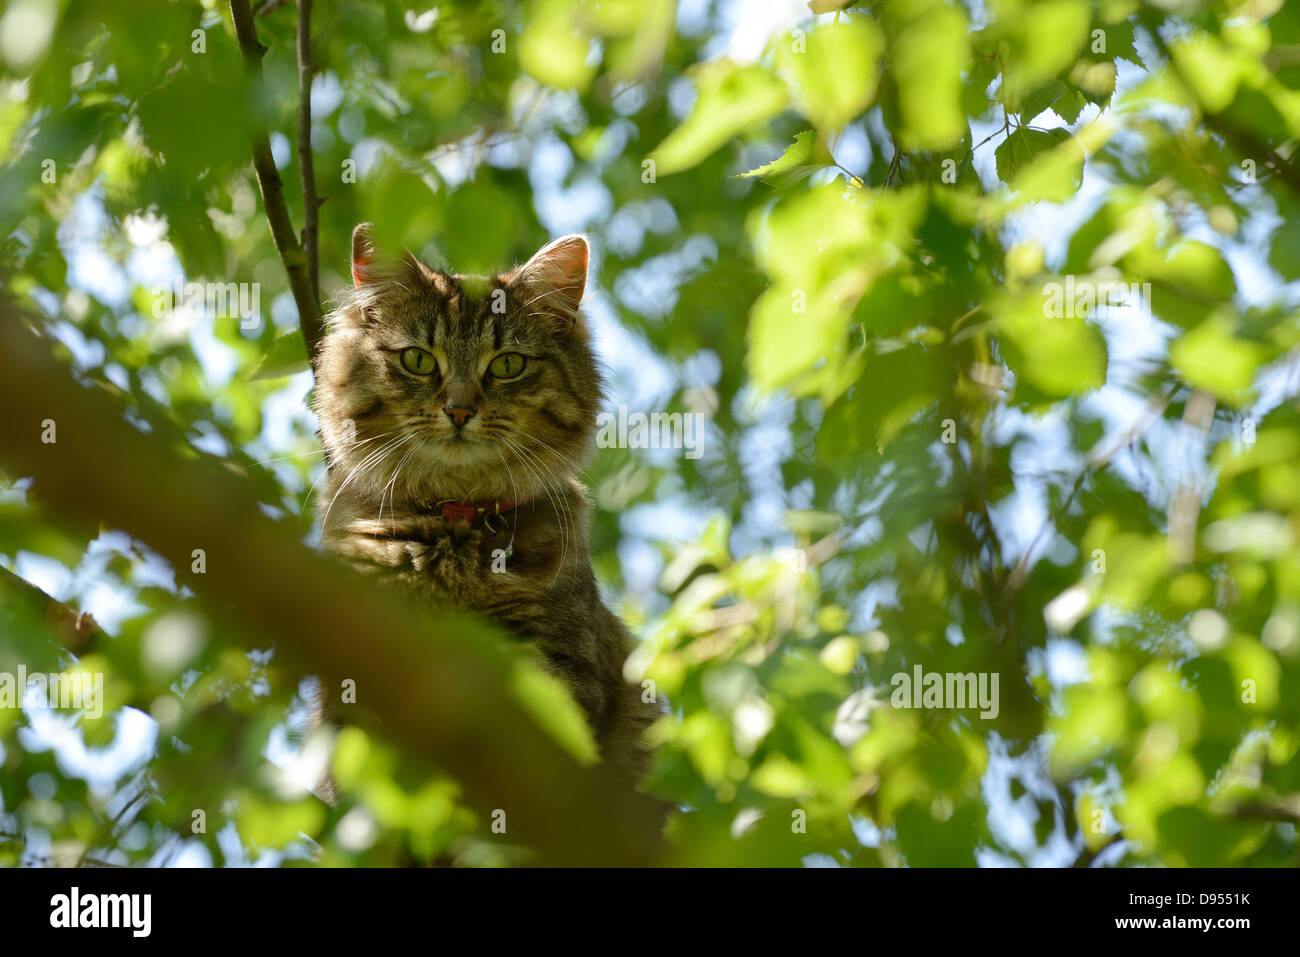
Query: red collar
(453, 510)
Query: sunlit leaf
(730, 99)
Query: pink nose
(459, 414)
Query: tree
(970, 330)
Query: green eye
(417, 361)
(507, 365)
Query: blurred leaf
(730, 99)
(287, 356)
(834, 70)
(930, 52)
(1210, 358)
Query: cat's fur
(394, 452)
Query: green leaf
(1045, 39)
(1092, 721)
(1018, 150)
(1041, 164)
(929, 56)
(731, 98)
(494, 214)
(1120, 43)
(1041, 99)
(554, 709)
(1284, 254)
(1058, 356)
(1062, 99)
(286, 356)
(269, 825)
(836, 76)
(554, 48)
(1192, 267)
(1069, 105)
(1212, 69)
(801, 159)
(1210, 358)
(932, 842)
(789, 335)
(781, 777)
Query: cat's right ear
(365, 255)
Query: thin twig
(1098, 457)
(272, 189)
(893, 166)
(1088, 855)
(109, 826)
(310, 204)
(1282, 811)
(986, 139)
(957, 323)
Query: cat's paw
(455, 559)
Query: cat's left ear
(555, 278)
(365, 255)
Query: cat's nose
(459, 414)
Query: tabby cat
(455, 412)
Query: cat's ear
(373, 263)
(364, 254)
(555, 278)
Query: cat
(455, 412)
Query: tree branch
(1246, 142)
(1088, 855)
(437, 686)
(310, 204)
(291, 251)
(1287, 811)
(74, 629)
(1098, 457)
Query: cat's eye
(418, 361)
(507, 365)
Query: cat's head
(436, 385)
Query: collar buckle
(468, 512)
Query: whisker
(285, 458)
(537, 469)
(371, 459)
(514, 495)
(392, 483)
(354, 445)
(563, 499)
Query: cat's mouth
(459, 440)
(462, 448)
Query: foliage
(919, 452)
